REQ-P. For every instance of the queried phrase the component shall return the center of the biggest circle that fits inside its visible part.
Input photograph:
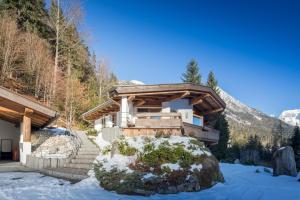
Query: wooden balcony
(150, 124)
(171, 124)
(158, 120)
(205, 133)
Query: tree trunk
(56, 50)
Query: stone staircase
(78, 167)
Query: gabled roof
(106, 107)
(159, 89)
(14, 105)
(205, 100)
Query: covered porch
(18, 116)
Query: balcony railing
(158, 120)
(202, 133)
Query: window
(147, 110)
(114, 119)
(198, 120)
(155, 117)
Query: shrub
(147, 139)
(92, 132)
(106, 150)
(148, 147)
(162, 154)
(185, 158)
(197, 142)
(125, 149)
(166, 169)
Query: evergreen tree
(31, 15)
(220, 149)
(233, 153)
(296, 145)
(212, 82)
(192, 73)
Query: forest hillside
(43, 54)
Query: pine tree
(192, 73)
(220, 149)
(212, 82)
(31, 15)
(296, 145)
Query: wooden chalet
(176, 109)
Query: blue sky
(252, 46)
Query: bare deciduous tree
(10, 49)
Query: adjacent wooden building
(177, 109)
(18, 115)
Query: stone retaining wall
(42, 163)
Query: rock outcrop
(284, 162)
(149, 165)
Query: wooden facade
(145, 105)
(13, 108)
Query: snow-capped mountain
(131, 82)
(244, 120)
(291, 117)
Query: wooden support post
(139, 103)
(131, 97)
(214, 111)
(27, 125)
(199, 100)
(178, 96)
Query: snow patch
(196, 167)
(171, 166)
(147, 176)
(118, 162)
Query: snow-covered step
(86, 156)
(89, 148)
(79, 165)
(95, 153)
(82, 160)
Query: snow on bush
(141, 148)
(147, 164)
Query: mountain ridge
(245, 121)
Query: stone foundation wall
(42, 163)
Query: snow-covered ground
(242, 183)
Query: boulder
(158, 165)
(284, 162)
(237, 161)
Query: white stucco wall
(98, 124)
(181, 106)
(9, 131)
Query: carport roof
(13, 107)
